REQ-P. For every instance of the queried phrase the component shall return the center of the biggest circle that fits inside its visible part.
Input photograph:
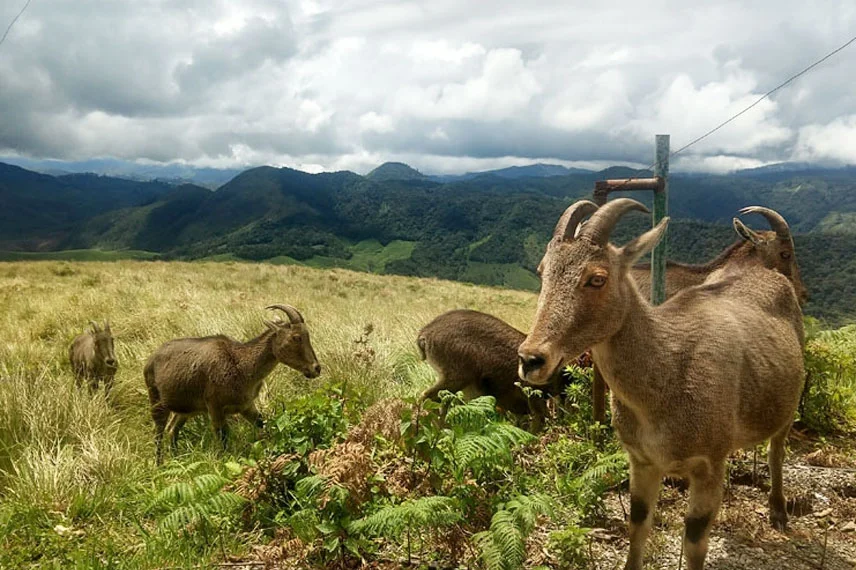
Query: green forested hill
(488, 228)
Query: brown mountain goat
(717, 367)
(92, 358)
(219, 376)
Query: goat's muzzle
(532, 367)
(313, 372)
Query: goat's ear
(94, 326)
(631, 252)
(745, 232)
(107, 325)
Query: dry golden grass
(62, 451)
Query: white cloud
(375, 123)
(835, 141)
(340, 83)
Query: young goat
(92, 358)
(476, 353)
(716, 368)
(219, 376)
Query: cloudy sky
(446, 86)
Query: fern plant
(470, 441)
(413, 516)
(503, 546)
(589, 487)
(195, 499)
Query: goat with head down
(717, 367)
(220, 376)
(92, 357)
(476, 353)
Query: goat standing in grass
(716, 368)
(92, 358)
(220, 376)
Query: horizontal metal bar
(622, 184)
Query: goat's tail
(149, 375)
(420, 342)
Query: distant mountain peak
(395, 171)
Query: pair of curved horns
(96, 328)
(294, 315)
(776, 221)
(601, 223)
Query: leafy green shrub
(569, 546)
(829, 401)
(308, 423)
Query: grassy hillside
(79, 487)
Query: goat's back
(741, 335)
(471, 341)
(183, 371)
(81, 354)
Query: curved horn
(567, 226)
(600, 225)
(293, 314)
(775, 219)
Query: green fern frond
(310, 487)
(474, 414)
(425, 512)
(503, 547)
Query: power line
(12, 23)
(761, 98)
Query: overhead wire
(746, 109)
(15, 19)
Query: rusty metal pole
(661, 208)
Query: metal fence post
(661, 208)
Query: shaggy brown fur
(92, 358)
(716, 368)
(220, 376)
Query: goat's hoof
(779, 521)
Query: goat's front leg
(644, 488)
(706, 488)
(218, 422)
(775, 459)
(252, 415)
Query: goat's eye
(785, 255)
(596, 281)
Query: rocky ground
(821, 486)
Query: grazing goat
(92, 358)
(476, 353)
(218, 375)
(772, 249)
(717, 367)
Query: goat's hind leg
(644, 488)
(776, 459)
(173, 428)
(706, 489)
(160, 416)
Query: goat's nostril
(317, 369)
(531, 362)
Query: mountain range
(488, 227)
